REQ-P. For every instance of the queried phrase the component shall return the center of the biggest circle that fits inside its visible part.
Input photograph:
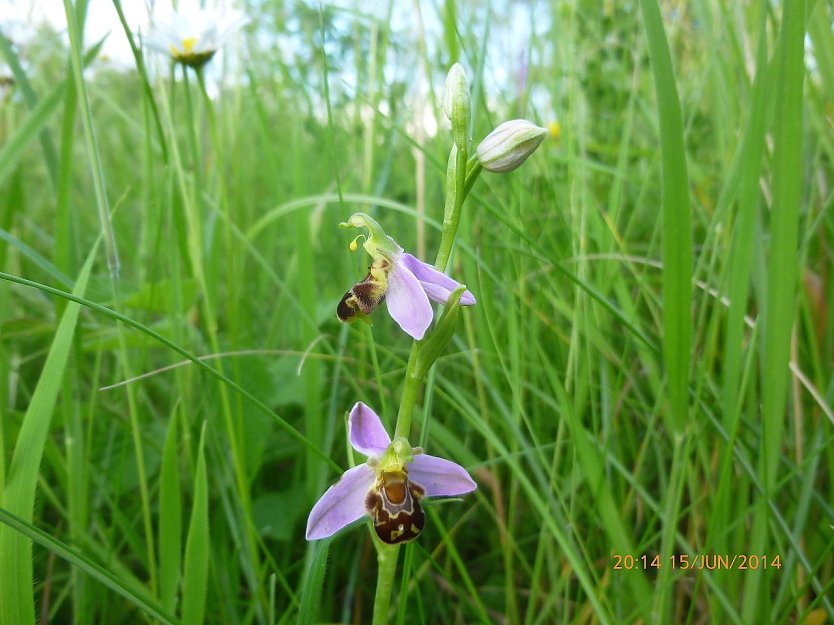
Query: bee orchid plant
(389, 487)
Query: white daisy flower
(193, 38)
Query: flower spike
(388, 487)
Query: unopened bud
(509, 145)
(456, 104)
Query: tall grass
(648, 371)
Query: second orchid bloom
(388, 487)
(404, 282)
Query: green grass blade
(313, 582)
(27, 131)
(783, 268)
(40, 262)
(782, 277)
(819, 29)
(77, 58)
(170, 520)
(738, 284)
(16, 575)
(143, 74)
(676, 240)
(85, 564)
(22, 79)
(593, 465)
(197, 547)
(191, 357)
(677, 221)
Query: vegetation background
(647, 376)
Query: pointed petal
(342, 504)
(437, 285)
(407, 302)
(366, 433)
(160, 39)
(232, 22)
(440, 477)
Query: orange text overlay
(697, 561)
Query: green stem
(99, 186)
(455, 172)
(413, 379)
(386, 557)
(377, 371)
(473, 170)
(415, 372)
(462, 173)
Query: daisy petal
(366, 433)
(342, 504)
(437, 285)
(407, 302)
(440, 477)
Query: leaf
(313, 582)
(170, 519)
(85, 564)
(16, 582)
(195, 574)
(33, 123)
(275, 514)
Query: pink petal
(366, 432)
(437, 285)
(440, 477)
(407, 302)
(342, 504)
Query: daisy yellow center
(188, 44)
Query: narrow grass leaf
(82, 562)
(33, 123)
(16, 576)
(77, 58)
(40, 262)
(313, 582)
(197, 547)
(782, 276)
(22, 79)
(677, 220)
(170, 344)
(738, 284)
(676, 232)
(783, 266)
(170, 520)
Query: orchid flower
(194, 38)
(388, 487)
(405, 283)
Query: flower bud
(456, 104)
(509, 145)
